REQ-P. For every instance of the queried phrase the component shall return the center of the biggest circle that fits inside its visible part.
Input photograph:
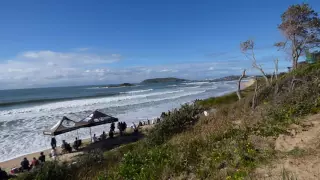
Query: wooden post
(90, 135)
(77, 133)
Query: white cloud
(44, 68)
(51, 68)
(57, 58)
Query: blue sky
(94, 42)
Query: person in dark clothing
(112, 127)
(3, 175)
(66, 146)
(111, 134)
(103, 136)
(53, 143)
(76, 144)
(42, 157)
(25, 165)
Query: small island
(163, 80)
(121, 85)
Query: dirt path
(300, 150)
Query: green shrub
(147, 164)
(49, 171)
(176, 122)
(214, 102)
(83, 168)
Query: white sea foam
(98, 87)
(196, 83)
(194, 87)
(137, 91)
(81, 103)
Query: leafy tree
(301, 27)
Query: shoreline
(15, 162)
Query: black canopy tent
(63, 126)
(97, 118)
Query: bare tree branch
(239, 84)
(249, 45)
(255, 94)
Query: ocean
(25, 113)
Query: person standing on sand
(42, 157)
(53, 142)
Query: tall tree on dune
(301, 28)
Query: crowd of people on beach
(25, 164)
(67, 148)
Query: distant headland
(163, 80)
(121, 85)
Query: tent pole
(77, 134)
(90, 135)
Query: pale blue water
(25, 113)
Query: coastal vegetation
(229, 143)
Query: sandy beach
(7, 165)
(248, 83)
(105, 144)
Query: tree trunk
(276, 62)
(295, 53)
(294, 63)
(266, 79)
(255, 94)
(239, 84)
(254, 65)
